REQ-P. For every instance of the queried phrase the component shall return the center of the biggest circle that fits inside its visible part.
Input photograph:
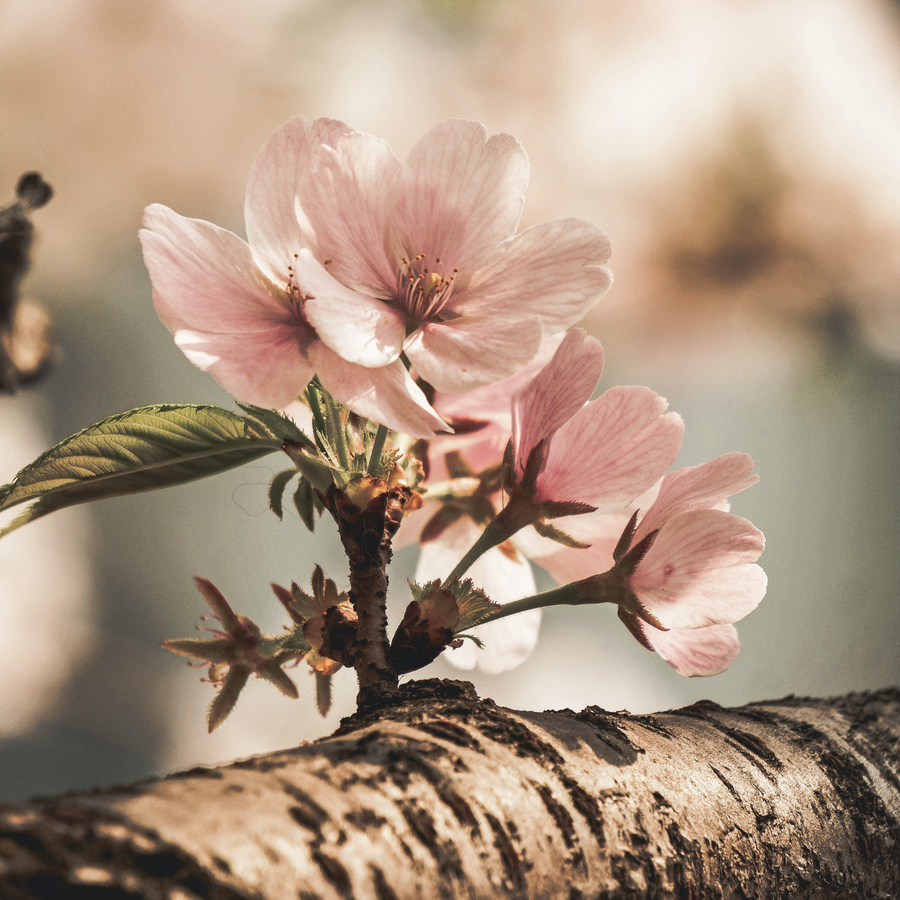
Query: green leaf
(276, 491)
(278, 424)
(141, 450)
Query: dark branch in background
(440, 794)
(26, 349)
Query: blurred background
(744, 156)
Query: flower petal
(554, 270)
(387, 394)
(462, 194)
(698, 487)
(350, 202)
(357, 327)
(690, 651)
(611, 450)
(556, 393)
(279, 181)
(204, 277)
(462, 354)
(265, 368)
(699, 570)
(696, 651)
(491, 403)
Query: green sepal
(228, 694)
(323, 693)
(277, 487)
(473, 603)
(141, 450)
(307, 503)
(545, 529)
(477, 641)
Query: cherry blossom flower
(625, 438)
(422, 257)
(699, 574)
(237, 310)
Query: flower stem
(337, 435)
(490, 538)
(512, 518)
(596, 589)
(377, 449)
(316, 408)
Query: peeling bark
(442, 795)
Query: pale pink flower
(237, 309)
(424, 254)
(700, 573)
(625, 440)
(603, 453)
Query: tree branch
(440, 794)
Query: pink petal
(507, 643)
(556, 393)
(386, 395)
(491, 403)
(357, 327)
(462, 193)
(698, 487)
(696, 651)
(690, 651)
(265, 368)
(554, 270)
(462, 354)
(279, 180)
(698, 571)
(350, 203)
(611, 450)
(204, 277)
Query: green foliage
(277, 424)
(141, 450)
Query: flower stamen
(423, 292)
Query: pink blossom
(422, 257)
(603, 453)
(627, 442)
(700, 574)
(237, 310)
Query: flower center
(295, 296)
(423, 291)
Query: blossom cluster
(405, 291)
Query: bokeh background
(744, 156)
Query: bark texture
(443, 795)
(366, 533)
